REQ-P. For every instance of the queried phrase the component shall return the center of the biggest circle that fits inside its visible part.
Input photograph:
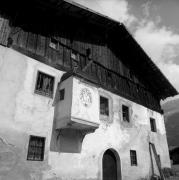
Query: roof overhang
(58, 8)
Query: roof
(137, 55)
(155, 76)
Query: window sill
(106, 119)
(43, 94)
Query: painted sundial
(86, 97)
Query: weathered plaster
(25, 113)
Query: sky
(155, 26)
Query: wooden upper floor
(74, 39)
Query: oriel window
(125, 113)
(44, 84)
(36, 148)
(133, 156)
(104, 106)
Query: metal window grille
(133, 156)
(44, 84)
(125, 113)
(36, 148)
(153, 125)
(104, 106)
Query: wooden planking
(67, 58)
(4, 31)
(22, 38)
(59, 58)
(38, 44)
(41, 43)
(32, 42)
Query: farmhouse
(79, 98)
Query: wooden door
(109, 166)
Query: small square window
(53, 43)
(36, 148)
(125, 113)
(44, 84)
(62, 94)
(74, 56)
(104, 106)
(133, 156)
(153, 125)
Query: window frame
(128, 108)
(133, 157)
(108, 113)
(62, 95)
(56, 43)
(36, 91)
(103, 118)
(77, 58)
(153, 126)
(30, 148)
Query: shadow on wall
(65, 140)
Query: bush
(168, 172)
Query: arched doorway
(111, 165)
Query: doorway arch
(111, 166)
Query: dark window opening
(125, 113)
(44, 84)
(133, 156)
(62, 94)
(104, 106)
(153, 125)
(53, 43)
(36, 148)
(88, 53)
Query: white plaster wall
(24, 113)
(63, 107)
(79, 110)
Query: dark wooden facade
(107, 53)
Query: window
(74, 56)
(133, 156)
(125, 113)
(75, 59)
(36, 148)
(62, 94)
(104, 106)
(53, 43)
(153, 125)
(44, 84)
